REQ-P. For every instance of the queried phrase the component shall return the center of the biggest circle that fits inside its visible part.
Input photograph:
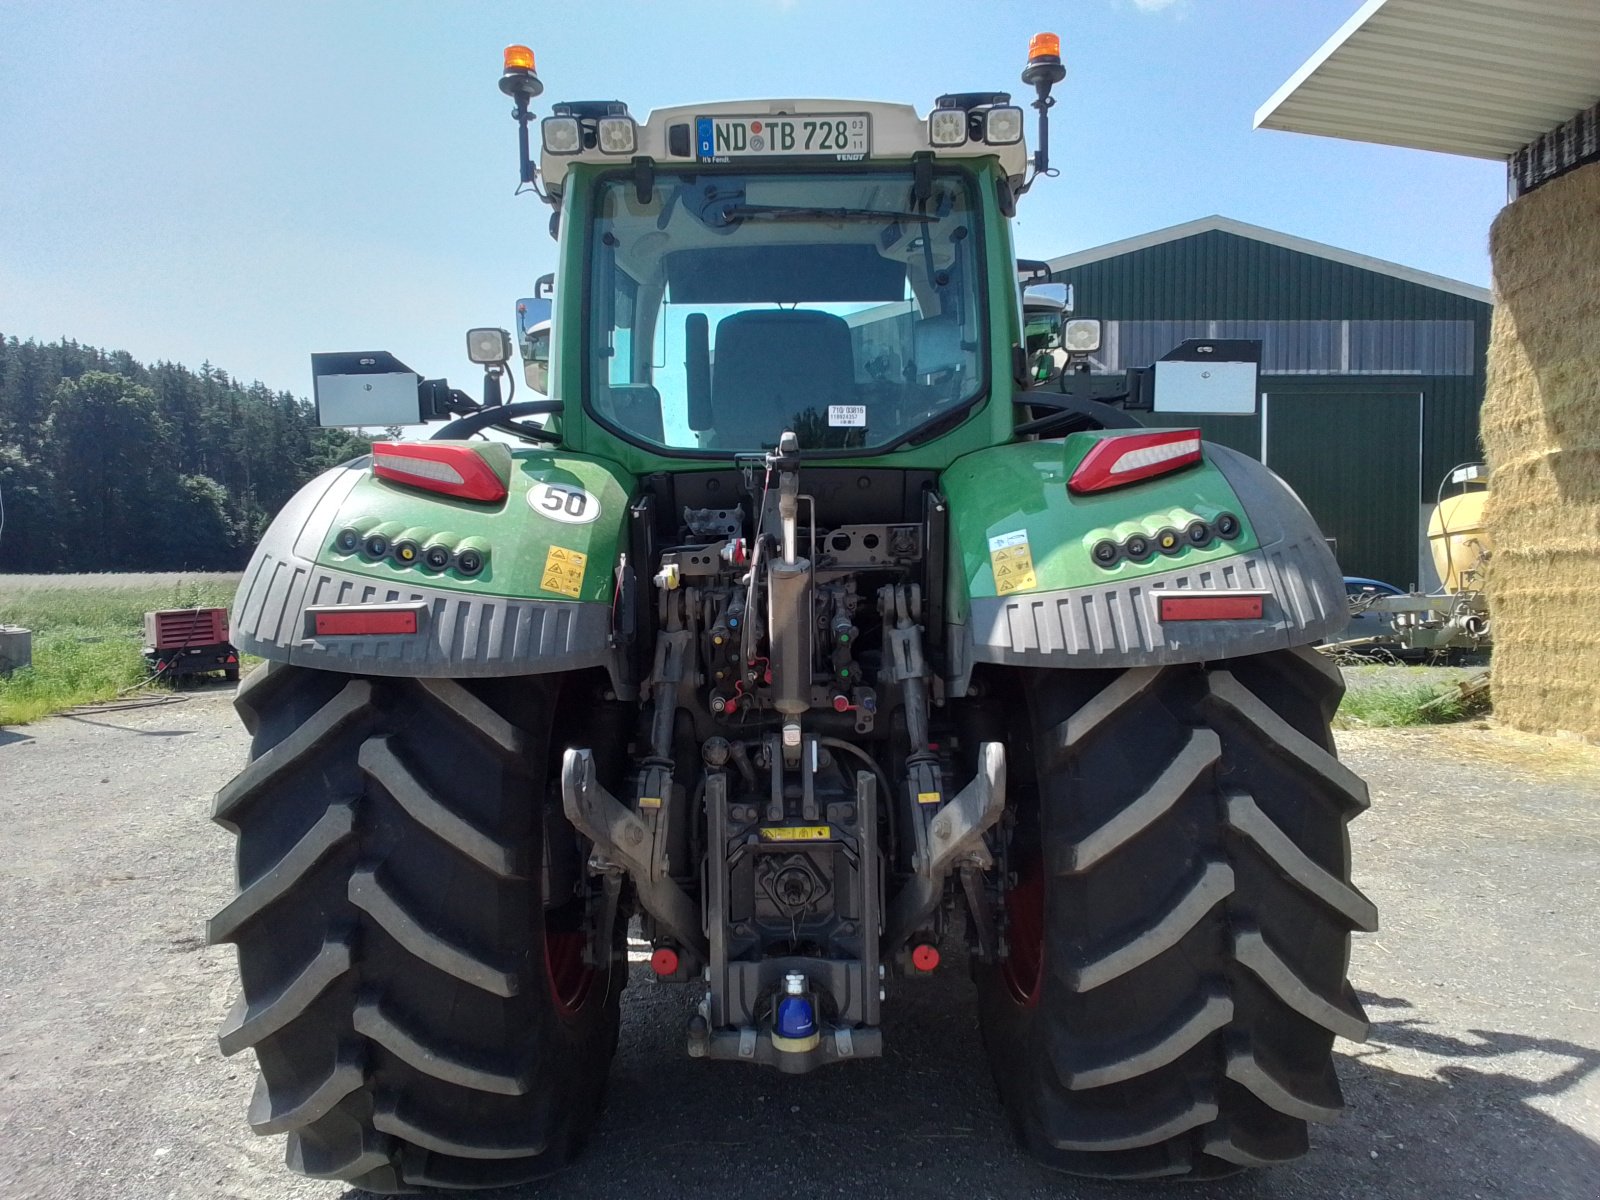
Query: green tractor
(805, 636)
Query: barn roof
(1271, 237)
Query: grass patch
(88, 634)
(1391, 706)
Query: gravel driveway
(1481, 1079)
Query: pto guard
(460, 634)
(1283, 557)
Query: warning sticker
(1012, 560)
(797, 833)
(563, 571)
(927, 797)
(847, 416)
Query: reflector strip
(1237, 607)
(359, 622)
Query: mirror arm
(503, 415)
(438, 399)
(1093, 414)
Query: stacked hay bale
(1541, 429)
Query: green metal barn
(1372, 373)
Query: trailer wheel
(1180, 918)
(420, 1015)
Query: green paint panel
(1023, 487)
(516, 536)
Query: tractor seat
(771, 366)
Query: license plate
(838, 135)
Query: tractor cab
(819, 266)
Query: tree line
(109, 465)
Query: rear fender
(542, 601)
(1025, 588)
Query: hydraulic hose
(498, 415)
(889, 797)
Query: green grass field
(88, 631)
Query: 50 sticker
(564, 502)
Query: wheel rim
(1023, 967)
(571, 979)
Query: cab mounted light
(519, 81)
(1129, 457)
(561, 135)
(947, 127)
(1002, 125)
(488, 346)
(1043, 72)
(616, 135)
(1081, 335)
(460, 471)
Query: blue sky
(248, 183)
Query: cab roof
(896, 131)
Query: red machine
(189, 641)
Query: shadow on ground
(1432, 1114)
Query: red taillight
(359, 621)
(1201, 606)
(454, 470)
(925, 957)
(1130, 457)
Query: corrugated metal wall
(1223, 277)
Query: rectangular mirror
(1056, 296)
(371, 389)
(1216, 376)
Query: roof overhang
(1475, 77)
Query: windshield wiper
(781, 212)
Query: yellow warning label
(927, 797)
(649, 801)
(797, 833)
(1012, 560)
(563, 571)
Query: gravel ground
(1481, 1079)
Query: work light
(947, 127)
(1081, 335)
(488, 346)
(561, 135)
(1002, 126)
(616, 135)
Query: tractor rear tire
(1179, 928)
(418, 1014)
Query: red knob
(664, 960)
